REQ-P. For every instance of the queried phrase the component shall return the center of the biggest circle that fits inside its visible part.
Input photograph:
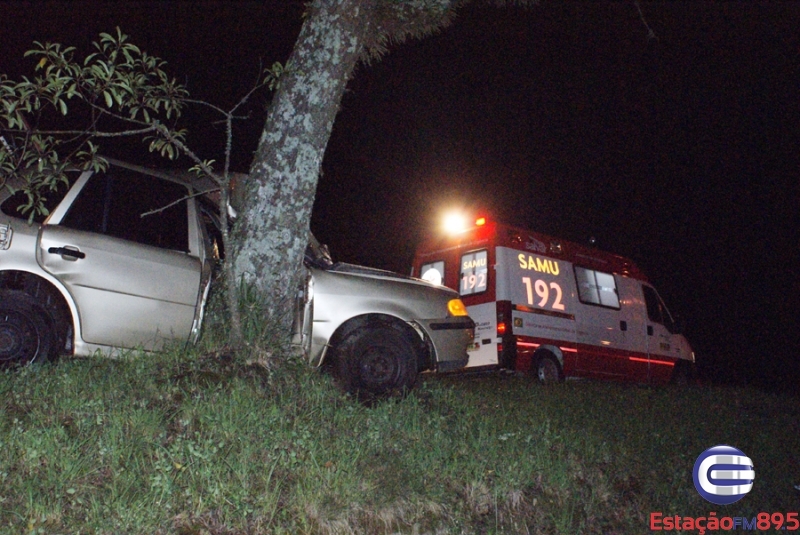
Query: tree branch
(650, 33)
(90, 133)
(178, 201)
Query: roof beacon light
(454, 223)
(480, 221)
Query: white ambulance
(556, 309)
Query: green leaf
(107, 96)
(63, 106)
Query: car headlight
(456, 308)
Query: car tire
(547, 370)
(376, 361)
(27, 334)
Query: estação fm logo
(723, 474)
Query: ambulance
(556, 309)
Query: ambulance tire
(547, 369)
(683, 374)
(376, 361)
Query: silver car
(97, 274)
(376, 330)
(124, 260)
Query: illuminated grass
(182, 444)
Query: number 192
(543, 293)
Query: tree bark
(273, 228)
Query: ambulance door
(601, 342)
(661, 347)
(633, 323)
(468, 273)
(476, 286)
(543, 308)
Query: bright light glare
(454, 223)
(433, 276)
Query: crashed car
(125, 260)
(97, 275)
(375, 329)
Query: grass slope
(181, 444)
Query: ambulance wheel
(547, 370)
(26, 330)
(376, 361)
(683, 374)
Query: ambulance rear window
(474, 272)
(597, 288)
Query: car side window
(114, 202)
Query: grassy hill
(196, 445)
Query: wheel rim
(19, 339)
(548, 371)
(378, 366)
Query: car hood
(343, 267)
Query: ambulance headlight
(456, 308)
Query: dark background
(678, 151)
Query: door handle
(65, 251)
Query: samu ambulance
(556, 309)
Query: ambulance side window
(474, 272)
(597, 288)
(433, 272)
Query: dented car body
(96, 274)
(377, 329)
(125, 260)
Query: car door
(131, 275)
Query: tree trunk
(272, 232)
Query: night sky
(678, 151)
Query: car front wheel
(26, 329)
(376, 361)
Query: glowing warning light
(480, 221)
(454, 223)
